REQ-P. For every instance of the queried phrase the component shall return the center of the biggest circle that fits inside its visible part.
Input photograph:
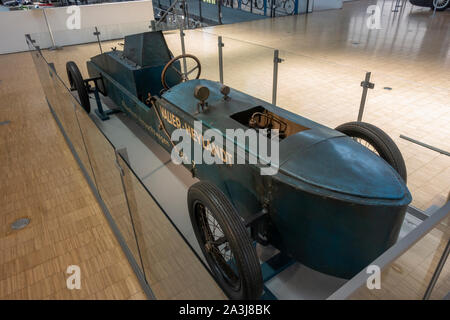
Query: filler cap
(201, 93)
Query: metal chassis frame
(102, 114)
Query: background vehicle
(440, 5)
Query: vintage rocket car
(337, 201)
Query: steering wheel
(183, 76)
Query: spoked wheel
(289, 7)
(76, 82)
(440, 5)
(182, 76)
(224, 241)
(259, 4)
(377, 141)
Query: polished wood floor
(41, 181)
(326, 55)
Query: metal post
(186, 22)
(186, 10)
(153, 25)
(53, 47)
(200, 10)
(397, 5)
(276, 61)
(220, 44)
(434, 8)
(219, 6)
(366, 84)
(425, 145)
(183, 49)
(438, 271)
(97, 33)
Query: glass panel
(204, 46)
(63, 104)
(172, 269)
(43, 72)
(42, 39)
(77, 53)
(64, 107)
(173, 41)
(108, 179)
(69, 37)
(421, 114)
(248, 68)
(113, 32)
(96, 153)
(331, 97)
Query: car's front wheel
(225, 242)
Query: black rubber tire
(247, 263)
(380, 141)
(76, 82)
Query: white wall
(319, 5)
(132, 17)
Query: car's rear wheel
(378, 142)
(76, 82)
(225, 242)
